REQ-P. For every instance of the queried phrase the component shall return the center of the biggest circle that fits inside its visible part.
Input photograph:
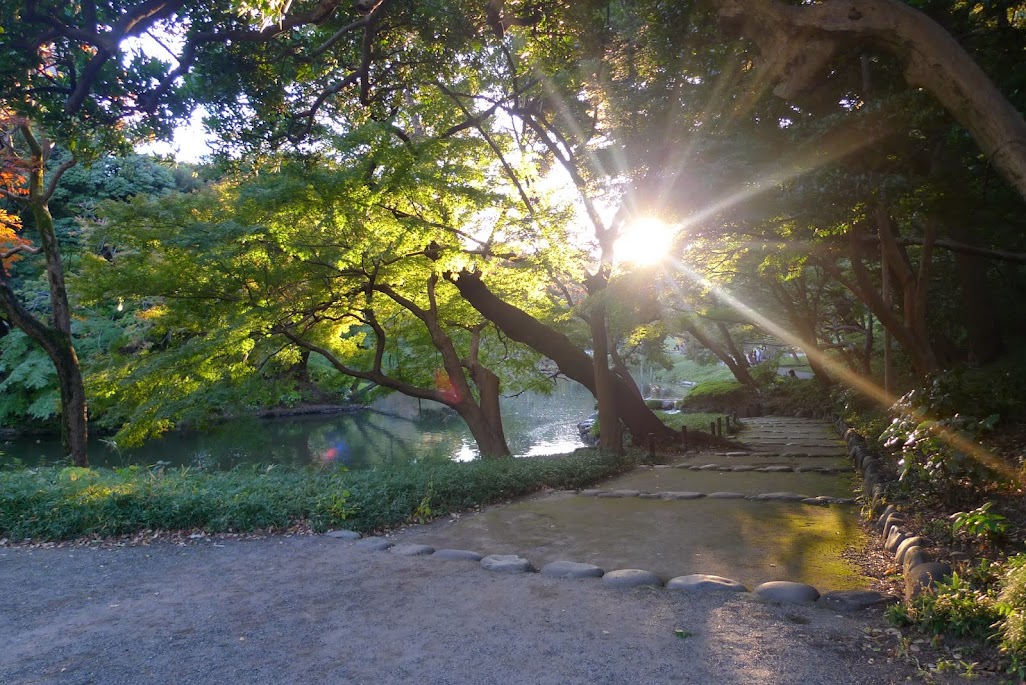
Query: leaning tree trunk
(610, 437)
(572, 361)
(737, 365)
(485, 420)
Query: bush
(718, 396)
(51, 503)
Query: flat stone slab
(725, 495)
(786, 592)
(855, 600)
(780, 497)
(631, 577)
(411, 549)
(571, 569)
(343, 534)
(374, 543)
(456, 555)
(506, 563)
(591, 492)
(681, 495)
(700, 582)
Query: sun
(644, 241)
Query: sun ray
(841, 372)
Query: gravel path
(310, 610)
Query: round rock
(786, 592)
(854, 600)
(456, 555)
(409, 549)
(913, 557)
(343, 534)
(506, 563)
(700, 582)
(374, 543)
(923, 576)
(894, 539)
(571, 569)
(631, 577)
(902, 550)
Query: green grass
(686, 370)
(52, 503)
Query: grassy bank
(52, 503)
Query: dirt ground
(311, 609)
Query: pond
(396, 430)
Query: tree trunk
(981, 320)
(799, 42)
(738, 366)
(610, 437)
(572, 361)
(486, 422)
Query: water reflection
(399, 430)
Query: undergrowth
(53, 503)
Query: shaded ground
(312, 610)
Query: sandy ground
(310, 610)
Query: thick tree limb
(797, 43)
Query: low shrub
(718, 396)
(51, 503)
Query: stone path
(743, 516)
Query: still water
(397, 430)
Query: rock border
(920, 573)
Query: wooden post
(712, 427)
(684, 437)
(728, 423)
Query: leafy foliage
(52, 503)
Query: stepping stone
(624, 493)
(780, 497)
(374, 543)
(506, 563)
(409, 549)
(651, 495)
(571, 569)
(343, 534)
(700, 582)
(776, 469)
(841, 500)
(631, 577)
(725, 495)
(590, 493)
(743, 467)
(456, 555)
(786, 592)
(820, 501)
(708, 467)
(855, 600)
(681, 495)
